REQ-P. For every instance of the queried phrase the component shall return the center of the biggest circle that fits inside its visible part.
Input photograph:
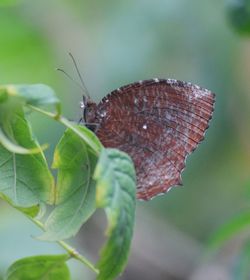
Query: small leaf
(32, 211)
(39, 268)
(36, 95)
(24, 179)
(36, 211)
(116, 192)
(75, 190)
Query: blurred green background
(115, 43)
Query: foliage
(239, 15)
(225, 234)
(39, 267)
(116, 193)
(88, 176)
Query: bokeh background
(115, 43)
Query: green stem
(71, 251)
(68, 124)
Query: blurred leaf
(36, 95)
(39, 268)
(75, 190)
(24, 179)
(239, 15)
(9, 2)
(242, 269)
(116, 192)
(228, 231)
(3, 96)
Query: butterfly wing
(158, 123)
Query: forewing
(158, 123)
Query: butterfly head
(88, 110)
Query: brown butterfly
(158, 122)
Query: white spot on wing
(171, 81)
(103, 113)
(82, 105)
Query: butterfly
(158, 122)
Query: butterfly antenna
(74, 81)
(79, 75)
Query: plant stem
(71, 251)
(68, 124)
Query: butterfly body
(158, 122)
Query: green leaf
(3, 96)
(228, 231)
(85, 134)
(116, 192)
(35, 95)
(25, 180)
(39, 268)
(75, 190)
(9, 2)
(12, 147)
(239, 15)
(32, 211)
(36, 211)
(242, 267)
(8, 111)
